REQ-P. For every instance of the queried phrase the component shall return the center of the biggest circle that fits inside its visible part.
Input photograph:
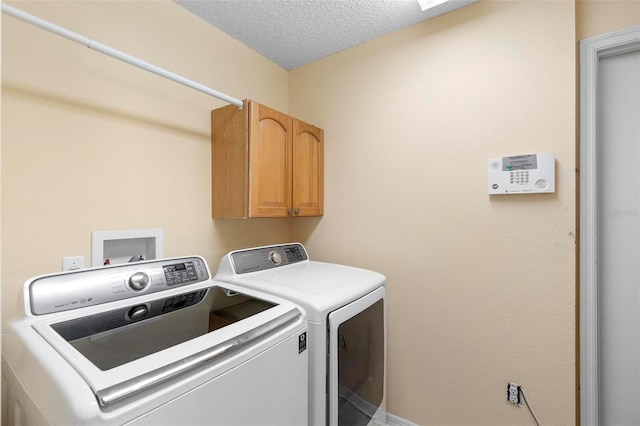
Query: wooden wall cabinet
(265, 164)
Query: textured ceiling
(292, 33)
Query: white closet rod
(109, 51)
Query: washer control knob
(139, 281)
(138, 312)
(275, 257)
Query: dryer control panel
(261, 258)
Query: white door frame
(591, 51)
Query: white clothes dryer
(345, 309)
(153, 343)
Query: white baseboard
(369, 409)
(393, 420)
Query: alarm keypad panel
(521, 174)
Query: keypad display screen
(180, 273)
(520, 162)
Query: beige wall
(602, 16)
(481, 289)
(90, 143)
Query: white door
(610, 229)
(619, 239)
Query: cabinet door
(229, 160)
(270, 146)
(308, 169)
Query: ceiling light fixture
(428, 4)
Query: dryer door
(357, 362)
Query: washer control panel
(88, 287)
(181, 273)
(261, 258)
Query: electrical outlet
(72, 263)
(513, 394)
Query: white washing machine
(153, 343)
(345, 309)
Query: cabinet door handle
(290, 212)
(297, 211)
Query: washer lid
(120, 352)
(316, 286)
